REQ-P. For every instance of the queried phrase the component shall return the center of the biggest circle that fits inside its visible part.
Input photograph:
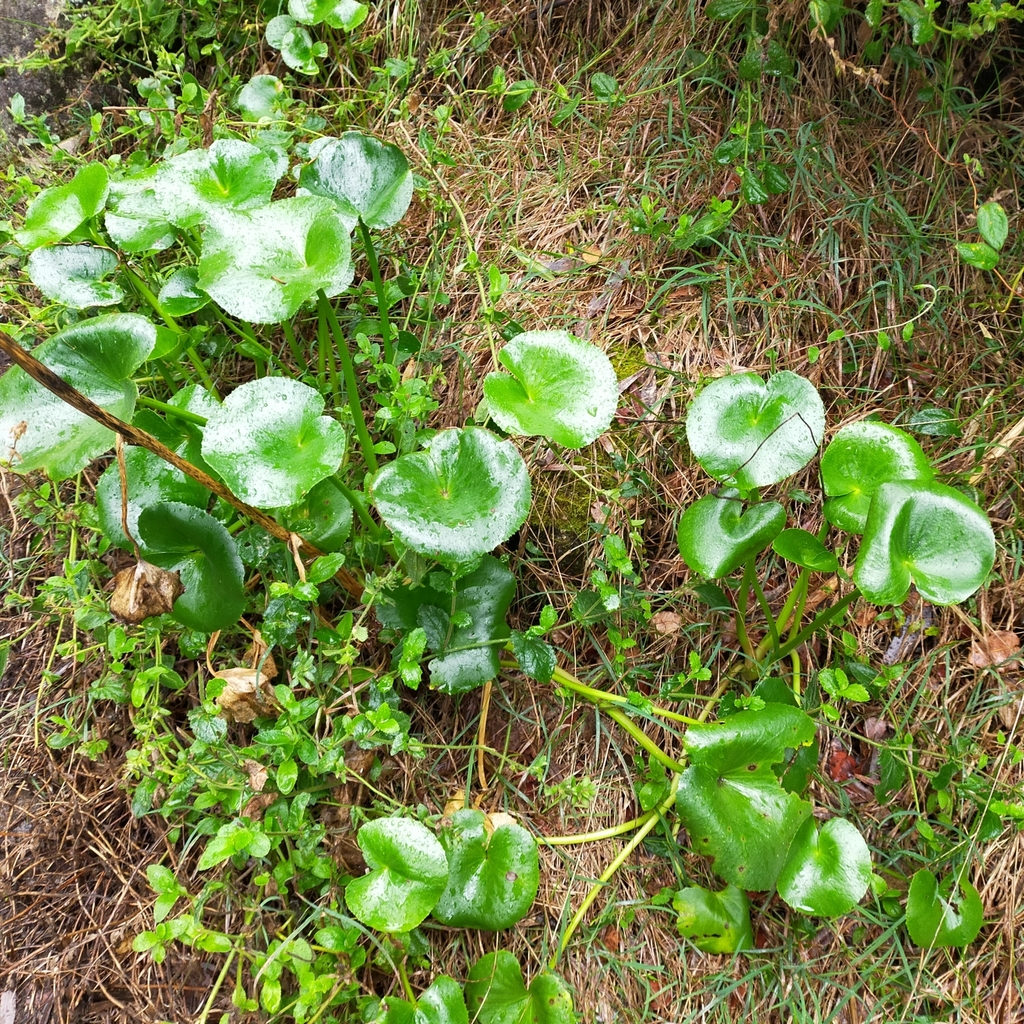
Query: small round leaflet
(826, 872)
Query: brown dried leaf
(666, 623)
(257, 774)
(993, 649)
(246, 697)
(144, 590)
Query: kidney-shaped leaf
(459, 498)
(323, 517)
(57, 211)
(750, 433)
(408, 872)
(180, 294)
(926, 534)
(716, 536)
(133, 216)
(368, 179)
(731, 801)
(262, 265)
(344, 14)
(858, 460)
(188, 540)
(442, 1003)
(269, 442)
(496, 994)
(804, 549)
(715, 922)
(557, 387)
(826, 872)
(73, 274)
(492, 878)
(936, 916)
(97, 357)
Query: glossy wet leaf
(188, 540)
(57, 211)
(459, 498)
(133, 217)
(715, 535)
(442, 1003)
(993, 225)
(497, 994)
(715, 922)
(181, 294)
(827, 872)
(492, 878)
(466, 642)
(96, 356)
(261, 98)
(343, 14)
(978, 254)
(935, 422)
(408, 872)
(297, 48)
(74, 275)
(323, 517)
(270, 442)
(261, 266)
(367, 179)
(943, 915)
(858, 460)
(751, 433)
(557, 387)
(517, 95)
(731, 801)
(804, 549)
(928, 535)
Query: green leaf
(936, 422)
(938, 917)
(752, 188)
(926, 534)
(262, 98)
(557, 387)
(96, 356)
(804, 549)
(716, 536)
(731, 801)
(536, 658)
(517, 95)
(442, 1003)
(456, 500)
(726, 10)
(492, 878)
(262, 265)
(993, 225)
(269, 442)
(716, 922)
(826, 872)
(604, 87)
(180, 537)
(56, 212)
(466, 633)
(323, 517)
(133, 217)
(73, 275)
(825, 14)
(181, 294)
(751, 433)
(343, 14)
(496, 994)
(367, 179)
(297, 48)
(978, 254)
(286, 776)
(408, 872)
(860, 458)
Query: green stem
(819, 622)
(643, 739)
(326, 358)
(355, 499)
(406, 986)
(296, 349)
(773, 630)
(378, 287)
(594, 837)
(172, 410)
(201, 1019)
(741, 612)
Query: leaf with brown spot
(993, 649)
(143, 590)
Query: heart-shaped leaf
(715, 922)
(731, 801)
(442, 1003)
(496, 994)
(716, 536)
(408, 872)
(262, 98)
(269, 442)
(181, 295)
(134, 219)
(859, 459)
(492, 878)
(826, 872)
(459, 498)
(323, 517)
(343, 14)
(937, 916)
(804, 549)
(96, 356)
(557, 387)
(261, 266)
(466, 639)
(750, 433)
(367, 179)
(926, 534)
(56, 212)
(73, 274)
(188, 540)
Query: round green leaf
(442, 1003)
(715, 922)
(133, 216)
(859, 459)
(180, 294)
(262, 97)
(73, 274)
(826, 872)
(936, 916)
(557, 387)
(492, 879)
(926, 534)
(459, 498)
(343, 14)
(56, 212)
(323, 517)
(367, 179)
(716, 536)
(96, 356)
(180, 537)
(297, 48)
(993, 224)
(496, 994)
(261, 266)
(751, 433)
(269, 442)
(804, 549)
(408, 872)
